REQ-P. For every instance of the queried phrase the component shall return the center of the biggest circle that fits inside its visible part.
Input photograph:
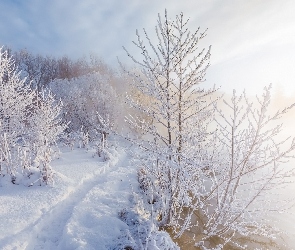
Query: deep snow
(80, 210)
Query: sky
(253, 41)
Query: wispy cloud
(252, 40)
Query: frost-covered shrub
(6, 158)
(83, 138)
(45, 124)
(105, 129)
(142, 234)
(29, 126)
(16, 100)
(45, 128)
(107, 153)
(86, 100)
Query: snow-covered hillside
(80, 211)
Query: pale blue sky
(253, 41)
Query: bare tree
(246, 175)
(193, 179)
(170, 72)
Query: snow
(79, 211)
(89, 206)
(30, 210)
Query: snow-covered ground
(81, 209)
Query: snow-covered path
(47, 233)
(79, 212)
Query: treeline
(40, 70)
(85, 85)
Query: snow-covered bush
(29, 125)
(142, 234)
(16, 102)
(45, 127)
(105, 129)
(83, 138)
(45, 123)
(6, 160)
(85, 97)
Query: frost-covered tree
(195, 181)
(169, 75)
(83, 99)
(29, 125)
(45, 127)
(170, 72)
(106, 128)
(247, 174)
(46, 124)
(16, 101)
